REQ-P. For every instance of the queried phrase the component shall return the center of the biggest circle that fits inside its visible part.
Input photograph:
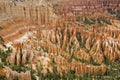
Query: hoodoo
(59, 39)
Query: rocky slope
(70, 39)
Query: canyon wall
(77, 6)
(32, 11)
(41, 11)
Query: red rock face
(60, 41)
(67, 6)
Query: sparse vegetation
(1, 28)
(66, 43)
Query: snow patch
(21, 39)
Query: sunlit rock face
(59, 39)
(36, 11)
(21, 15)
